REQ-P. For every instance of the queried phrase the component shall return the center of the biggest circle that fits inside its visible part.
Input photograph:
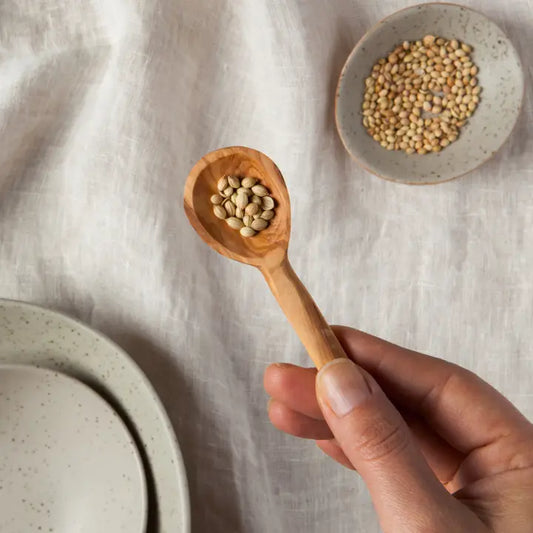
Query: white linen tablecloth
(104, 107)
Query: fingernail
(342, 386)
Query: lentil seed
(408, 103)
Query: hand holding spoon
(268, 249)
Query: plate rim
(170, 435)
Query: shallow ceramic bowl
(67, 462)
(32, 335)
(500, 77)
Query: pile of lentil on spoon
(244, 204)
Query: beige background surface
(104, 107)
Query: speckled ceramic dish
(68, 462)
(32, 335)
(500, 77)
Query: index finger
(460, 406)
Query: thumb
(377, 441)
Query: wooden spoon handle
(303, 314)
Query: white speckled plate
(36, 336)
(68, 462)
(500, 76)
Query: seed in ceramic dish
(234, 223)
(247, 232)
(244, 190)
(257, 200)
(227, 192)
(216, 199)
(419, 88)
(248, 182)
(259, 190)
(239, 213)
(219, 211)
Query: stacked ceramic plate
(85, 443)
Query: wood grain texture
(268, 249)
(269, 245)
(303, 314)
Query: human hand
(439, 449)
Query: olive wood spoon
(267, 250)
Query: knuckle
(521, 456)
(381, 440)
(455, 378)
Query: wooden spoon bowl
(268, 244)
(268, 249)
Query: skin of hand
(439, 449)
